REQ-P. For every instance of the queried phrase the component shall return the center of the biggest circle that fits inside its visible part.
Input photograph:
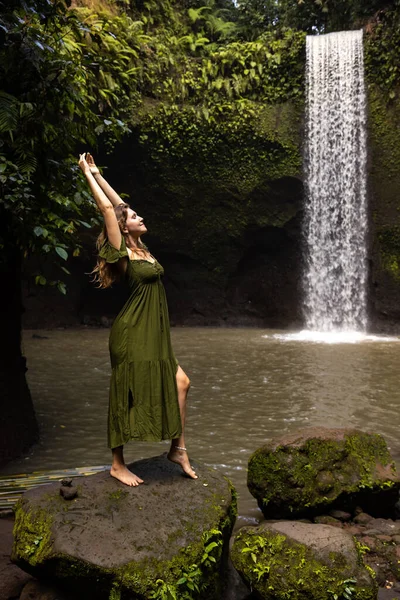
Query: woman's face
(134, 224)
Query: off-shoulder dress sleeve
(111, 254)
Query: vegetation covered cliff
(197, 109)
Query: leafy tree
(67, 76)
(312, 16)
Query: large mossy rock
(306, 472)
(167, 536)
(296, 560)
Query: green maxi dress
(143, 401)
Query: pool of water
(248, 386)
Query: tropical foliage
(311, 16)
(66, 78)
(183, 74)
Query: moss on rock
(167, 537)
(277, 566)
(311, 470)
(33, 530)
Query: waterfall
(335, 223)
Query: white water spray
(335, 169)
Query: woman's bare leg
(120, 471)
(177, 453)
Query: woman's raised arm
(111, 194)
(103, 203)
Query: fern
(9, 112)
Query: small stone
(304, 521)
(366, 540)
(68, 493)
(373, 532)
(396, 539)
(386, 526)
(362, 519)
(354, 530)
(340, 514)
(327, 520)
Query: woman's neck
(132, 241)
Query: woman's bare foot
(180, 457)
(123, 474)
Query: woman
(148, 388)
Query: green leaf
(38, 231)
(9, 112)
(210, 547)
(62, 287)
(61, 252)
(40, 280)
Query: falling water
(335, 165)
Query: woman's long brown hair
(104, 273)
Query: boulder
(167, 536)
(311, 471)
(290, 559)
(12, 579)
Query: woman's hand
(90, 161)
(83, 164)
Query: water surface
(248, 385)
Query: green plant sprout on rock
(277, 567)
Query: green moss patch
(32, 534)
(322, 470)
(279, 568)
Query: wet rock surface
(12, 578)
(317, 470)
(134, 541)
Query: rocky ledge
(101, 539)
(342, 487)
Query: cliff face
(384, 210)
(224, 220)
(222, 200)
